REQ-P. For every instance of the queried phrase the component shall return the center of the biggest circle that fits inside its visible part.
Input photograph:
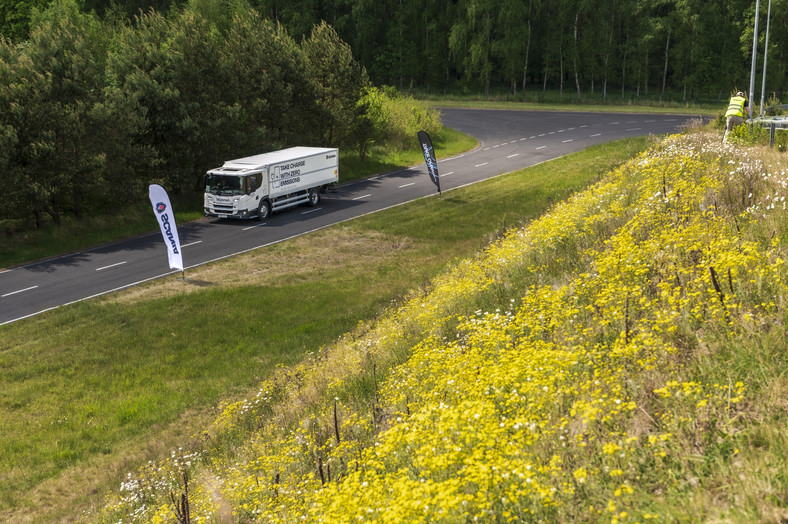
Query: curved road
(509, 140)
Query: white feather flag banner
(163, 211)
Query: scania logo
(160, 207)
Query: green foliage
(337, 80)
(394, 119)
(15, 17)
(773, 106)
(751, 135)
(684, 50)
(57, 115)
(169, 70)
(219, 13)
(262, 68)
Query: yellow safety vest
(736, 107)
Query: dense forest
(685, 49)
(102, 97)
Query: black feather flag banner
(429, 157)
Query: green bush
(751, 135)
(392, 119)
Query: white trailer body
(256, 186)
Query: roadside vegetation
(94, 390)
(619, 359)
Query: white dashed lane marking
(18, 291)
(111, 266)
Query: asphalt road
(509, 140)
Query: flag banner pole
(162, 209)
(429, 158)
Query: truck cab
(232, 193)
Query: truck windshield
(224, 184)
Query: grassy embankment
(620, 359)
(93, 390)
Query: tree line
(684, 49)
(96, 109)
(687, 50)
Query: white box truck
(256, 186)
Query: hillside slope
(621, 359)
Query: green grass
(588, 106)
(553, 101)
(93, 390)
(447, 144)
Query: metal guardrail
(778, 122)
(773, 123)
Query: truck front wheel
(265, 210)
(314, 197)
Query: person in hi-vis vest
(734, 116)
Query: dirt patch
(298, 258)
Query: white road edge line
(16, 292)
(112, 265)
